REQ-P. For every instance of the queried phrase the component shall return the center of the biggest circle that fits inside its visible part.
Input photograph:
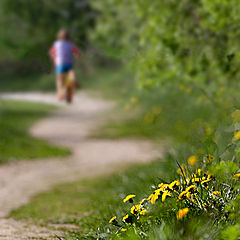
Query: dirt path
(70, 126)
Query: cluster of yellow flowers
(187, 191)
(236, 176)
(136, 210)
(194, 191)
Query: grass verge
(78, 203)
(16, 117)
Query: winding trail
(70, 126)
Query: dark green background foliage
(28, 28)
(174, 41)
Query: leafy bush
(173, 41)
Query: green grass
(71, 202)
(78, 203)
(183, 111)
(13, 83)
(184, 119)
(114, 83)
(180, 116)
(16, 118)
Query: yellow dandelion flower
(181, 86)
(129, 198)
(128, 219)
(196, 180)
(154, 197)
(236, 136)
(135, 209)
(165, 194)
(208, 176)
(123, 230)
(179, 171)
(125, 217)
(163, 187)
(151, 198)
(127, 107)
(156, 110)
(113, 219)
(236, 176)
(133, 100)
(188, 195)
(182, 195)
(160, 185)
(174, 184)
(191, 189)
(149, 118)
(158, 191)
(205, 181)
(192, 160)
(217, 193)
(143, 212)
(208, 130)
(182, 213)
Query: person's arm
(76, 51)
(52, 53)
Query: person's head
(63, 34)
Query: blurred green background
(173, 67)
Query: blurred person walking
(63, 53)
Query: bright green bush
(173, 41)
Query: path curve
(70, 126)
